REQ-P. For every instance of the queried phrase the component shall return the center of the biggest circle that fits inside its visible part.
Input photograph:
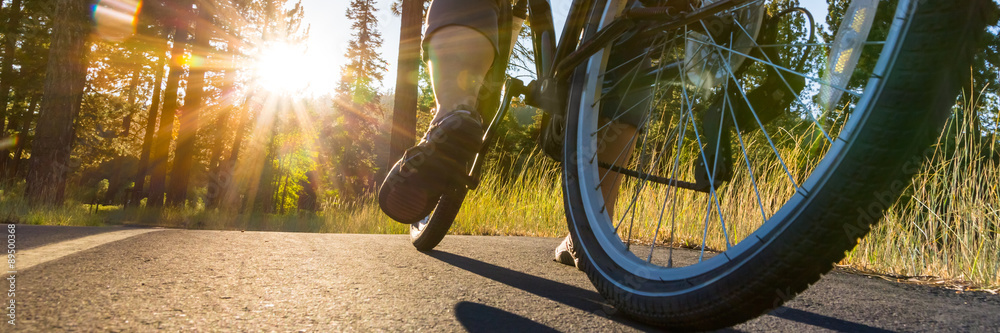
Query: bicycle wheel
(756, 162)
(427, 233)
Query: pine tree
(356, 131)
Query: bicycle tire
(427, 234)
(901, 113)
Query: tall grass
(949, 226)
(14, 209)
(527, 202)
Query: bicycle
(824, 147)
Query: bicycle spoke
(631, 205)
(644, 180)
(633, 74)
(789, 86)
(618, 116)
(763, 130)
(704, 236)
(619, 158)
(634, 198)
(682, 135)
(687, 106)
(656, 232)
(649, 172)
(776, 66)
(746, 158)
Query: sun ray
(290, 70)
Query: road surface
(128, 279)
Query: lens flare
(115, 20)
(195, 61)
(291, 70)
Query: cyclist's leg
(620, 116)
(460, 57)
(460, 42)
(619, 140)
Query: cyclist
(461, 43)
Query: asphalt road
(122, 279)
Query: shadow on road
(477, 317)
(481, 318)
(822, 321)
(585, 300)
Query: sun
(291, 70)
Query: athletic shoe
(566, 253)
(439, 162)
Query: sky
(330, 31)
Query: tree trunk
(404, 122)
(230, 197)
(265, 192)
(22, 137)
(217, 180)
(241, 130)
(147, 142)
(65, 79)
(133, 89)
(283, 185)
(164, 135)
(6, 73)
(118, 178)
(14, 118)
(180, 177)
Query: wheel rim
(615, 235)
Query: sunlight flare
(291, 71)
